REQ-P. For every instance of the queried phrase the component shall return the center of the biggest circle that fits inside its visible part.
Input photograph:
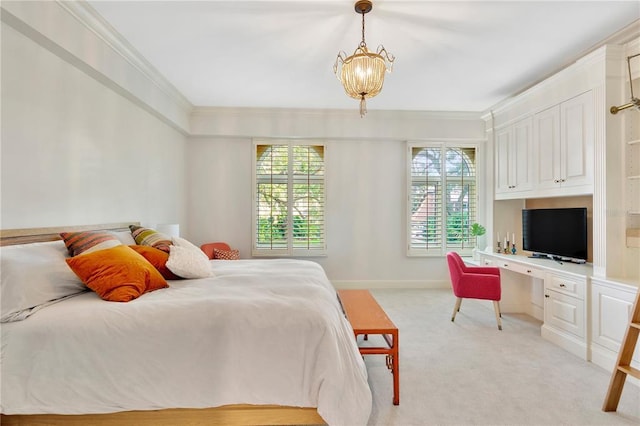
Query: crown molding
(90, 18)
(203, 111)
(624, 36)
(612, 45)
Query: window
(289, 199)
(442, 198)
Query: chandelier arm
(340, 59)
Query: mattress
(258, 332)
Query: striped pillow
(150, 237)
(88, 241)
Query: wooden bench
(367, 317)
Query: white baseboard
(537, 312)
(565, 341)
(606, 358)
(375, 284)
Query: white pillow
(125, 237)
(188, 261)
(33, 276)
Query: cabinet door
(503, 140)
(547, 135)
(513, 171)
(522, 178)
(577, 141)
(610, 310)
(564, 312)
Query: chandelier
(362, 74)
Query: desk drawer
(520, 268)
(563, 284)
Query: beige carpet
(469, 373)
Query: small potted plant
(476, 230)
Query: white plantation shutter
(289, 199)
(272, 192)
(426, 199)
(442, 197)
(308, 197)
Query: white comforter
(259, 332)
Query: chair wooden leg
(456, 308)
(496, 307)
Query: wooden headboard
(9, 237)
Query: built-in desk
(557, 295)
(521, 264)
(583, 314)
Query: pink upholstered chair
(208, 248)
(474, 282)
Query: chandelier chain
(362, 43)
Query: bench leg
(393, 364)
(396, 372)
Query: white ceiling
(450, 55)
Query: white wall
(365, 186)
(76, 152)
(88, 138)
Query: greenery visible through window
(289, 199)
(442, 198)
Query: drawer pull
(546, 295)
(562, 285)
(506, 265)
(528, 271)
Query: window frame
(443, 145)
(290, 250)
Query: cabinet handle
(506, 265)
(562, 180)
(528, 271)
(562, 285)
(556, 180)
(546, 295)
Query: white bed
(259, 332)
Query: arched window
(442, 198)
(289, 199)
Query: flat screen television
(557, 232)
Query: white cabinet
(563, 135)
(513, 160)
(611, 305)
(564, 312)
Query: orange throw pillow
(117, 274)
(158, 259)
